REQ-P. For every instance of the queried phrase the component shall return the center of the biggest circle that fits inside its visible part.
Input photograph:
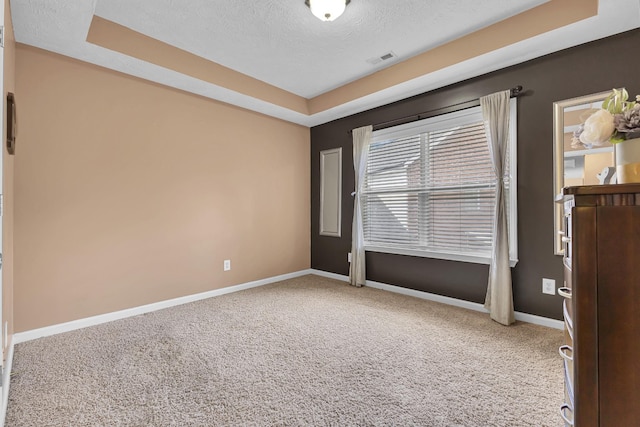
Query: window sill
(437, 255)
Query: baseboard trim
(6, 381)
(33, 334)
(46, 331)
(329, 275)
(540, 320)
(523, 317)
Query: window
(430, 189)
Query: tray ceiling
(276, 58)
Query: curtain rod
(515, 92)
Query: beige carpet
(303, 352)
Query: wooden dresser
(602, 305)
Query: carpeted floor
(303, 352)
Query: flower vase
(628, 161)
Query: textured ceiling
(282, 44)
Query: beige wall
(7, 218)
(128, 193)
(119, 38)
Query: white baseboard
(524, 317)
(129, 312)
(330, 275)
(6, 381)
(122, 314)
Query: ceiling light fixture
(327, 10)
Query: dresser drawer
(567, 307)
(568, 322)
(568, 280)
(566, 351)
(566, 234)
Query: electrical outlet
(349, 257)
(549, 286)
(227, 265)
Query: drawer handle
(563, 349)
(564, 292)
(566, 239)
(563, 414)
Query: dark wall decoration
(578, 71)
(11, 123)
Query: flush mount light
(327, 10)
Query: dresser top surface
(601, 189)
(601, 195)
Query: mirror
(575, 164)
(331, 192)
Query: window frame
(438, 123)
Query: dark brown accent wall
(594, 67)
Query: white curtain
(499, 299)
(361, 141)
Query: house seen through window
(430, 189)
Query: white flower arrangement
(618, 120)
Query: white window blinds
(430, 189)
